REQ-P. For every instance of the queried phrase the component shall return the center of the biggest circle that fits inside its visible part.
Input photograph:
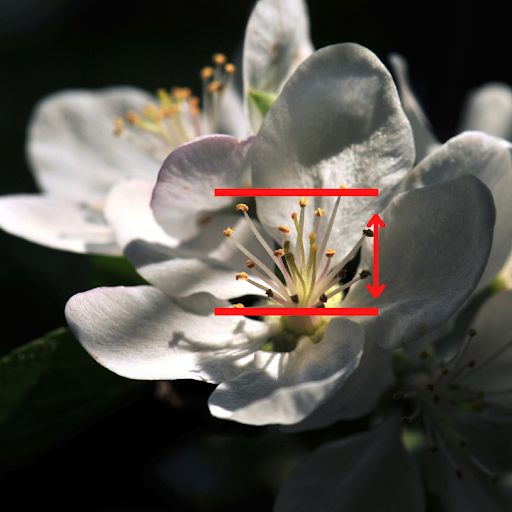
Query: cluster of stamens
(436, 397)
(177, 118)
(306, 280)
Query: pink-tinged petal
(141, 333)
(425, 140)
(432, 254)
(488, 108)
(338, 121)
(276, 41)
(365, 472)
(72, 149)
(186, 184)
(58, 223)
(286, 387)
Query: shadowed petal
(286, 387)
(141, 333)
(338, 121)
(58, 223)
(188, 179)
(366, 472)
(432, 254)
(276, 41)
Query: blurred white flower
(337, 118)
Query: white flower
(464, 408)
(76, 158)
(338, 116)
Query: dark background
(48, 45)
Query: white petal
(71, 146)
(488, 108)
(338, 121)
(188, 179)
(276, 41)
(286, 387)
(424, 139)
(58, 223)
(432, 253)
(231, 116)
(489, 159)
(141, 333)
(358, 396)
(365, 472)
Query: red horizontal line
(296, 311)
(282, 192)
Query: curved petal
(58, 223)
(489, 159)
(432, 253)
(358, 396)
(231, 116)
(488, 108)
(71, 146)
(424, 139)
(207, 263)
(360, 473)
(188, 179)
(493, 339)
(276, 41)
(286, 387)
(141, 333)
(338, 121)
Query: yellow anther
(279, 253)
(206, 73)
(242, 275)
(219, 58)
(314, 247)
(181, 93)
(319, 212)
(330, 253)
(151, 111)
(303, 202)
(250, 264)
(230, 69)
(118, 126)
(214, 87)
(342, 187)
(238, 306)
(228, 232)
(284, 229)
(164, 97)
(294, 215)
(312, 236)
(132, 117)
(242, 207)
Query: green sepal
(262, 100)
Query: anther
(329, 253)
(242, 275)
(364, 274)
(398, 395)
(477, 406)
(312, 237)
(284, 229)
(343, 187)
(430, 386)
(368, 232)
(436, 398)
(471, 363)
(219, 58)
(230, 69)
(480, 393)
(423, 354)
(279, 253)
(342, 274)
(295, 299)
(228, 232)
(459, 473)
(496, 425)
(238, 306)
(463, 443)
(269, 293)
(132, 117)
(471, 332)
(294, 215)
(118, 126)
(250, 264)
(206, 73)
(322, 298)
(303, 202)
(406, 420)
(319, 212)
(495, 478)
(434, 447)
(242, 207)
(445, 371)
(214, 86)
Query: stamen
(238, 305)
(461, 352)
(493, 476)
(362, 275)
(301, 256)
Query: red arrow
(376, 290)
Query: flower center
(434, 393)
(306, 276)
(177, 118)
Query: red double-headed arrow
(376, 290)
